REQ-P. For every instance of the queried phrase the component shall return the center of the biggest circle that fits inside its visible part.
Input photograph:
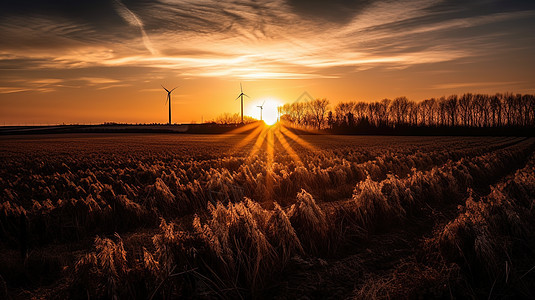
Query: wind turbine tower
(261, 109)
(241, 96)
(169, 100)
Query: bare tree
(318, 109)
(360, 110)
(398, 110)
(451, 109)
(469, 110)
(465, 103)
(426, 109)
(341, 111)
(382, 112)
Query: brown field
(268, 214)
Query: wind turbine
(241, 96)
(169, 100)
(261, 109)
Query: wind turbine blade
(263, 103)
(173, 89)
(165, 89)
(246, 96)
(241, 89)
(238, 97)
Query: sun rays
(259, 141)
(261, 138)
(267, 140)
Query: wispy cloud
(98, 80)
(473, 84)
(284, 39)
(45, 85)
(9, 90)
(134, 20)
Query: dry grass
(411, 280)
(488, 230)
(223, 233)
(310, 223)
(101, 273)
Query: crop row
(236, 247)
(492, 238)
(119, 193)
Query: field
(266, 214)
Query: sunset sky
(64, 61)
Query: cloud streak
(47, 85)
(262, 40)
(473, 84)
(134, 20)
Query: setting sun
(265, 109)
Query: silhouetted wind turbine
(169, 100)
(261, 109)
(241, 96)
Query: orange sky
(64, 63)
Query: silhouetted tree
(341, 110)
(228, 118)
(330, 119)
(318, 109)
(451, 110)
(468, 110)
(398, 110)
(465, 103)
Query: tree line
(229, 118)
(465, 111)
